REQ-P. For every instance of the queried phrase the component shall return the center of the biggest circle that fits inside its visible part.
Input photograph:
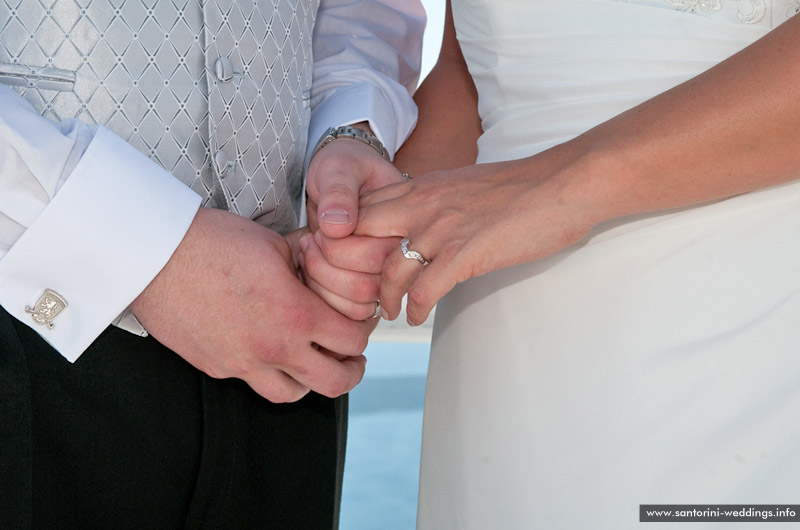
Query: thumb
(337, 208)
(337, 178)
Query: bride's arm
(732, 129)
(448, 126)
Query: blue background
(384, 436)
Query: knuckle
(266, 348)
(430, 194)
(271, 353)
(301, 371)
(288, 394)
(337, 386)
(238, 365)
(278, 396)
(298, 394)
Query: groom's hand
(229, 302)
(348, 276)
(337, 176)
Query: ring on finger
(377, 312)
(412, 254)
(405, 176)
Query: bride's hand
(467, 222)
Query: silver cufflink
(48, 307)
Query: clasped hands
(231, 303)
(466, 222)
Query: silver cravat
(216, 91)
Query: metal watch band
(348, 131)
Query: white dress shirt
(87, 215)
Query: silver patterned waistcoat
(216, 91)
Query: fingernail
(411, 323)
(384, 314)
(304, 243)
(336, 217)
(318, 238)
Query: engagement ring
(412, 254)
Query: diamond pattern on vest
(146, 70)
(259, 120)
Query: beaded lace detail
(753, 15)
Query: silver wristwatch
(348, 131)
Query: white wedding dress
(656, 362)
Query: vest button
(223, 69)
(221, 163)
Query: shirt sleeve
(367, 57)
(83, 215)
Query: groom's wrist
(360, 132)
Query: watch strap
(348, 131)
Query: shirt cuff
(105, 235)
(390, 121)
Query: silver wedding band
(412, 254)
(377, 312)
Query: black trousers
(131, 436)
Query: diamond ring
(412, 254)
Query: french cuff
(105, 235)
